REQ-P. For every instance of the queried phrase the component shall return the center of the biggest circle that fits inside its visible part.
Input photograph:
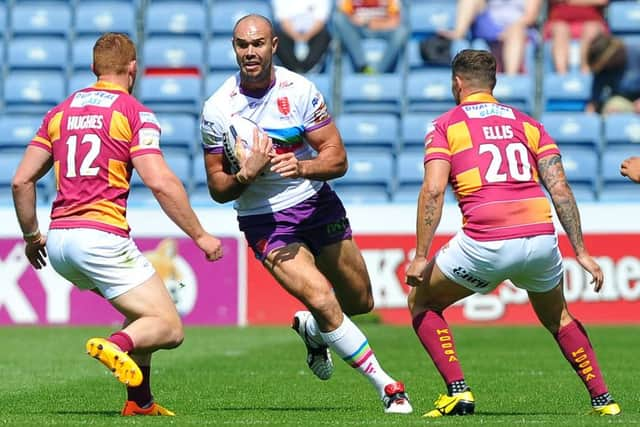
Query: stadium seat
(178, 161)
(581, 129)
(581, 168)
(175, 18)
(80, 80)
(429, 91)
(410, 167)
(361, 194)
(41, 18)
(214, 81)
(9, 161)
(82, 53)
(566, 92)
(611, 160)
(173, 52)
(624, 17)
(172, 94)
(415, 61)
(623, 192)
(369, 170)
(380, 93)
(622, 129)
(221, 56)
(178, 131)
(33, 92)
(517, 91)
(16, 130)
(374, 49)
(38, 53)
(548, 65)
(426, 18)
(371, 132)
(225, 13)
(414, 129)
(96, 18)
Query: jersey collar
(101, 84)
(479, 97)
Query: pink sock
(433, 332)
(122, 340)
(576, 347)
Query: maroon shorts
(317, 221)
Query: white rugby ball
(239, 140)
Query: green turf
(257, 376)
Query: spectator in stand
(616, 75)
(301, 27)
(506, 25)
(358, 19)
(574, 19)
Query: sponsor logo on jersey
(283, 105)
(148, 117)
(149, 138)
(480, 111)
(95, 98)
(285, 83)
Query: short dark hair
(475, 66)
(112, 54)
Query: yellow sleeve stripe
(54, 127)
(42, 140)
(438, 150)
(533, 136)
(548, 147)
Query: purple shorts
(317, 222)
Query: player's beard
(264, 75)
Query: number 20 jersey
(493, 150)
(92, 136)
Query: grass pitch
(258, 376)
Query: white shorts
(91, 259)
(531, 263)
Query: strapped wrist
(33, 236)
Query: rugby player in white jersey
(293, 221)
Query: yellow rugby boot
(457, 404)
(131, 408)
(123, 367)
(611, 408)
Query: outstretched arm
(555, 181)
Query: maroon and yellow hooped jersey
(92, 136)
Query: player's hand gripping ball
(238, 141)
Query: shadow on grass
(283, 408)
(522, 413)
(106, 413)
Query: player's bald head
(253, 23)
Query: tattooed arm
(430, 201)
(554, 179)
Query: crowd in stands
(382, 65)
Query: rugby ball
(238, 141)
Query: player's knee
(175, 338)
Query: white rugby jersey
(291, 106)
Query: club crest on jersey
(283, 105)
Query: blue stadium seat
(173, 52)
(180, 163)
(82, 53)
(214, 81)
(581, 168)
(96, 18)
(80, 80)
(38, 53)
(9, 161)
(429, 91)
(175, 18)
(410, 167)
(415, 61)
(622, 129)
(517, 91)
(361, 194)
(566, 92)
(624, 17)
(221, 56)
(611, 160)
(370, 170)
(41, 18)
(427, 18)
(619, 192)
(16, 130)
(225, 13)
(178, 131)
(380, 93)
(407, 194)
(172, 94)
(581, 129)
(3, 18)
(548, 65)
(374, 49)
(371, 132)
(33, 92)
(414, 129)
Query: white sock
(352, 346)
